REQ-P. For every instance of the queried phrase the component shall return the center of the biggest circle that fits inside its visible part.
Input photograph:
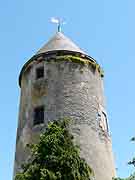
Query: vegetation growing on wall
(82, 61)
(55, 157)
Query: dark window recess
(39, 115)
(105, 117)
(39, 72)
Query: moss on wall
(82, 61)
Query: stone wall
(68, 89)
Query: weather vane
(59, 23)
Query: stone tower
(61, 80)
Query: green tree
(55, 157)
(132, 162)
(132, 177)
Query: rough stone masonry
(67, 89)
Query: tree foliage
(132, 177)
(55, 157)
(132, 162)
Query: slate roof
(60, 42)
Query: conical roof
(59, 42)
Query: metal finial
(59, 26)
(59, 23)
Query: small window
(39, 115)
(103, 122)
(40, 72)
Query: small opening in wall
(39, 115)
(40, 72)
(103, 122)
(106, 122)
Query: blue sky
(105, 29)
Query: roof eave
(35, 57)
